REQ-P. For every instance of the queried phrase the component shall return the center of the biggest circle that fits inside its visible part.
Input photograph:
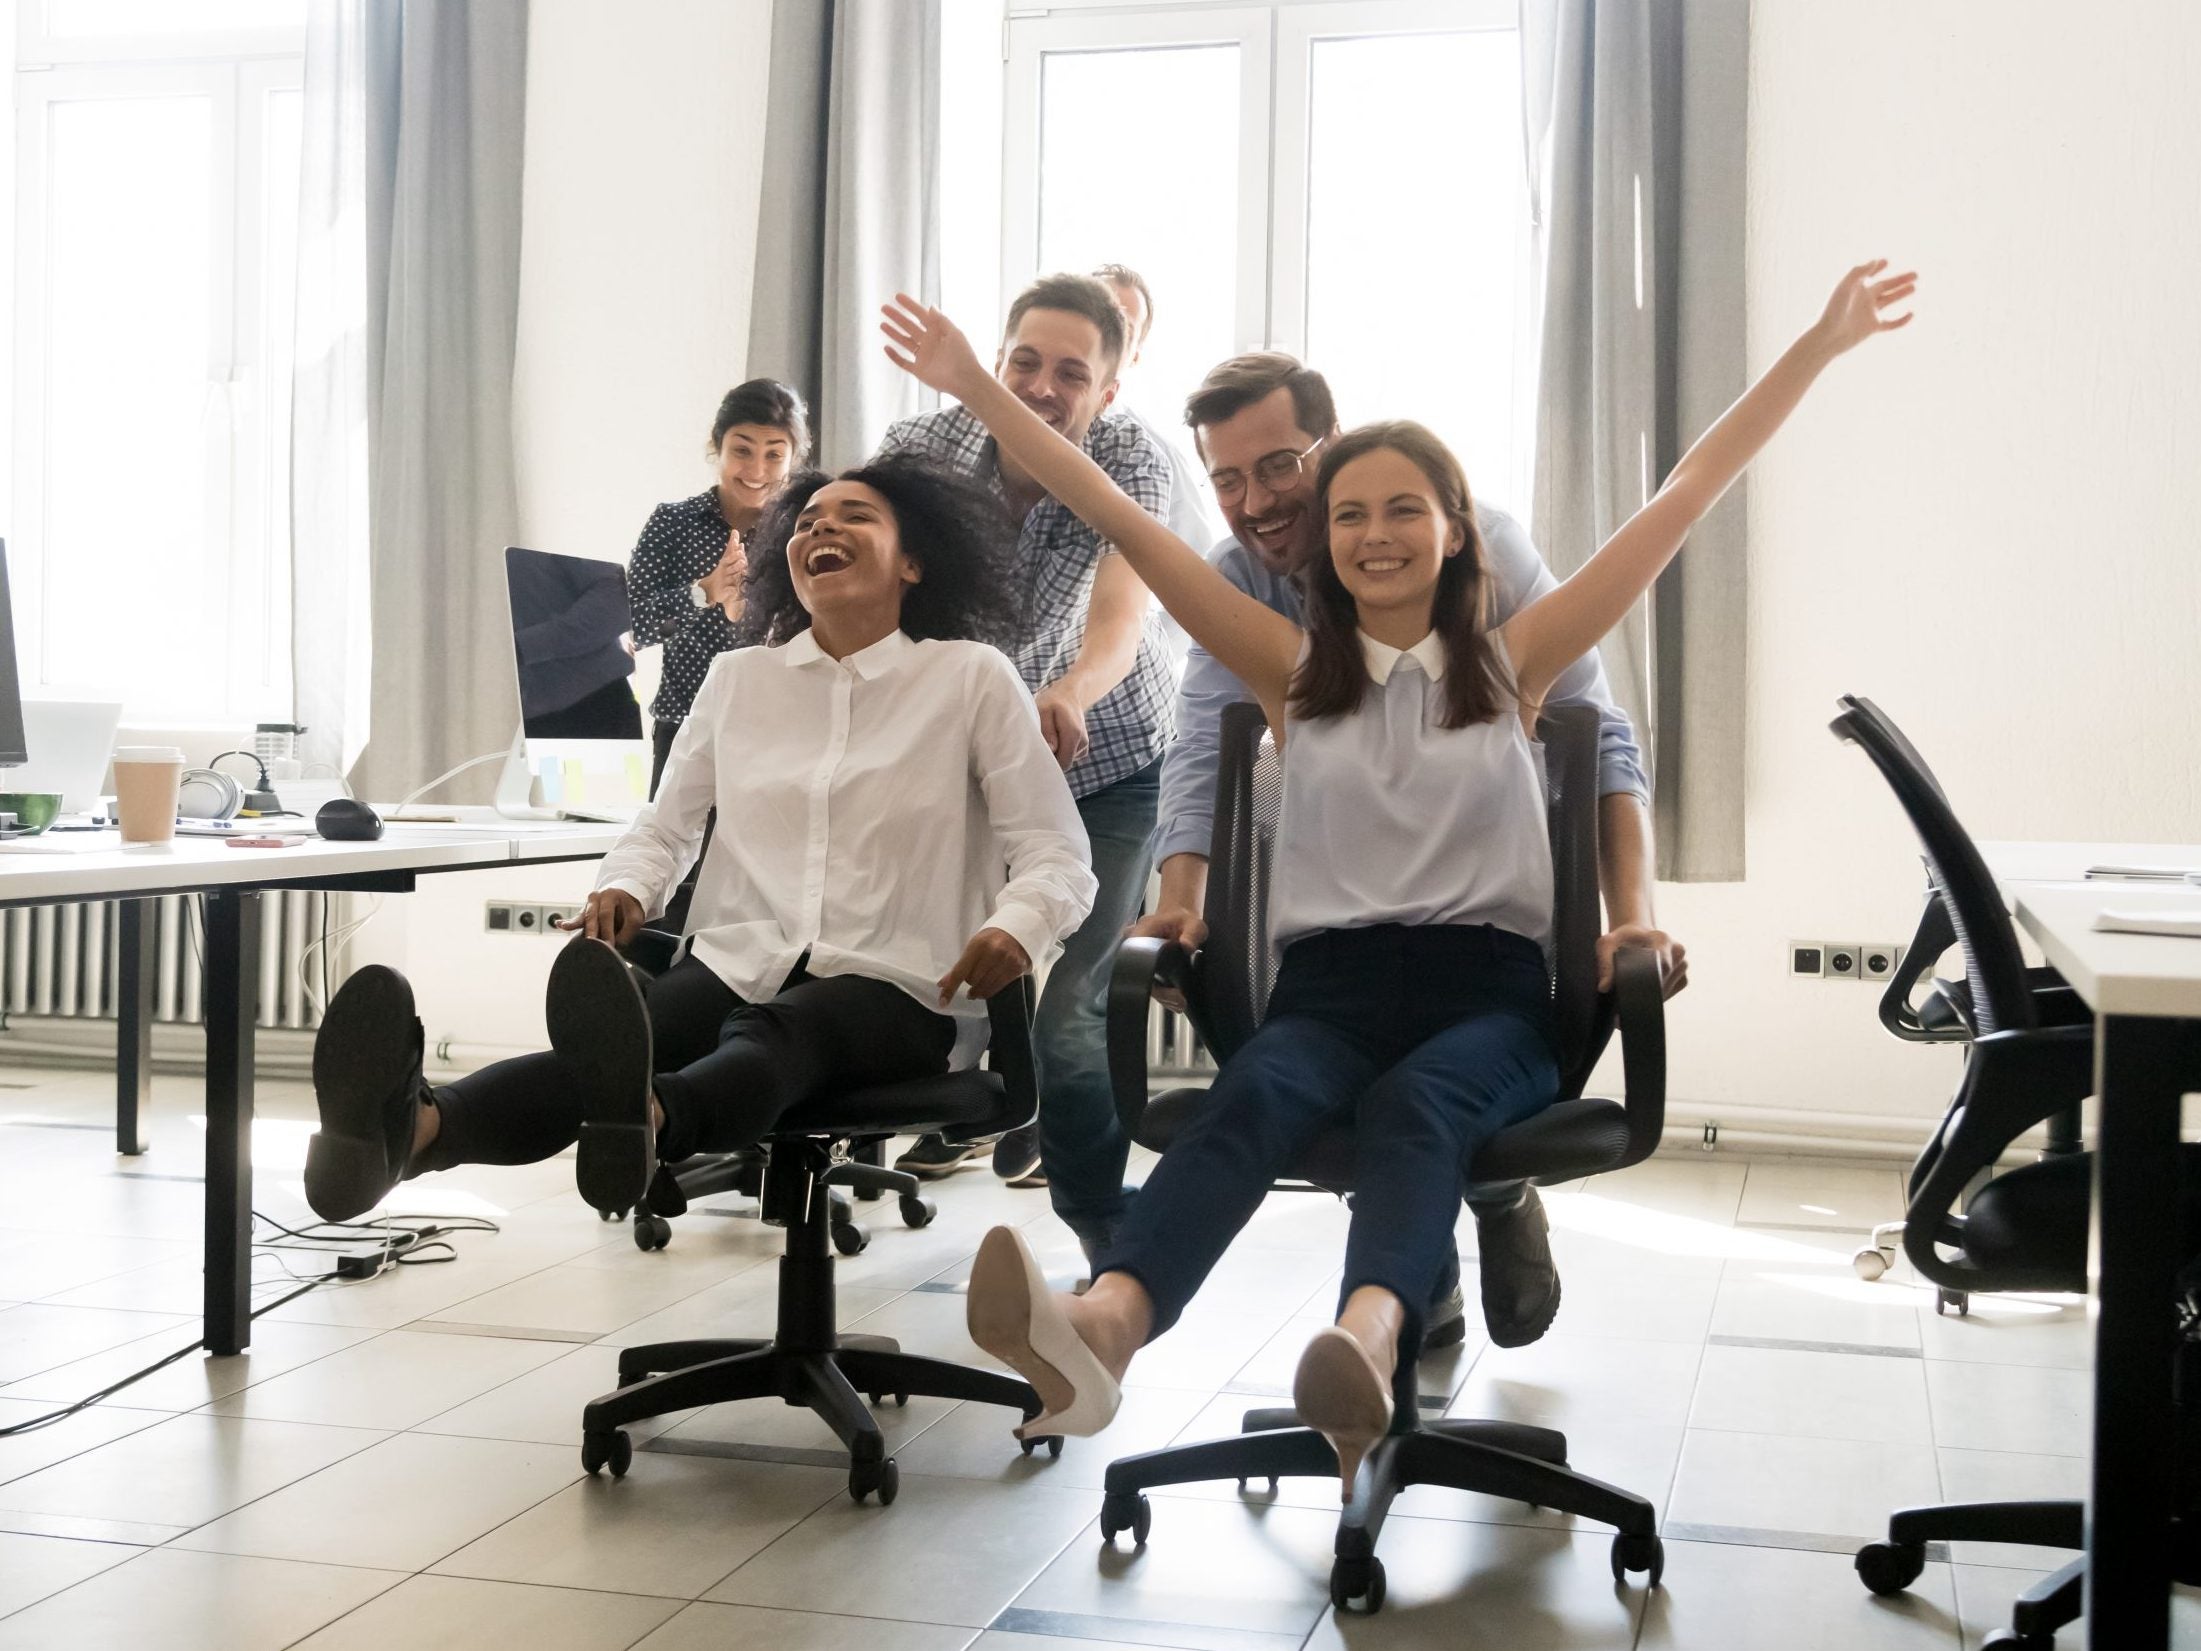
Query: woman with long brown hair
(1412, 888)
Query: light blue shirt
(1518, 577)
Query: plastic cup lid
(148, 753)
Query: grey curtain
(445, 93)
(849, 213)
(1636, 115)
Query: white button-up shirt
(875, 812)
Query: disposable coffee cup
(147, 778)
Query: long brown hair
(1330, 682)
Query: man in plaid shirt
(1095, 659)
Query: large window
(1343, 179)
(157, 156)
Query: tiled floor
(394, 1464)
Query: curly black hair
(955, 528)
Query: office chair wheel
(1243, 1483)
(1890, 1567)
(1053, 1442)
(901, 1400)
(1947, 1300)
(1638, 1553)
(850, 1239)
(918, 1212)
(866, 1477)
(651, 1232)
(611, 1215)
(1360, 1579)
(1126, 1511)
(1872, 1263)
(607, 1447)
(2009, 1639)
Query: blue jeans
(1081, 1145)
(1427, 1041)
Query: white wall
(645, 124)
(1987, 523)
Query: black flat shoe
(599, 1024)
(367, 1083)
(1519, 1278)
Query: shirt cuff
(1028, 929)
(634, 886)
(1183, 834)
(1618, 776)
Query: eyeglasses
(1275, 471)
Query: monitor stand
(516, 786)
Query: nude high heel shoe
(1015, 1317)
(1338, 1392)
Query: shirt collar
(869, 663)
(1382, 659)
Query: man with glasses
(1260, 423)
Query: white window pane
(270, 686)
(170, 17)
(130, 588)
(1139, 166)
(1416, 218)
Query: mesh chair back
(1236, 965)
(2002, 1000)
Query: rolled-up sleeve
(1518, 577)
(1050, 885)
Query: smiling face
(845, 555)
(1056, 364)
(1282, 524)
(753, 461)
(1390, 535)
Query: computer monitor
(13, 751)
(581, 748)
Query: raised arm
(1259, 646)
(1547, 636)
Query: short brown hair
(1123, 275)
(1080, 295)
(1235, 385)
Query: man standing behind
(1260, 422)
(1097, 665)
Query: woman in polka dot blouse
(686, 574)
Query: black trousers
(662, 734)
(726, 1068)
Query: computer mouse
(347, 820)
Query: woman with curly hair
(895, 844)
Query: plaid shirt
(1057, 556)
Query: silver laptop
(69, 742)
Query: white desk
(2145, 991)
(231, 880)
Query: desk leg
(231, 997)
(2140, 1067)
(133, 1025)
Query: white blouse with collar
(875, 812)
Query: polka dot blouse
(680, 543)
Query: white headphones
(208, 794)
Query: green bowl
(34, 811)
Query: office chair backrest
(2002, 1001)
(1237, 968)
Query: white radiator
(1173, 1049)
(62, 961)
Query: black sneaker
(1446, 1325)
(1016, 1157)
(932, 1156)
(1520, 1281)
(367, 1083)
(600, 1027)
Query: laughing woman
(1413, 878)
(895, 844)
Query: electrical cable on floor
(402, 1246)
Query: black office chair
(2025, 1228)
(1226, 987)
(673, 1188)
(808, 1362)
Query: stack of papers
(2166, 920)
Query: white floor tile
(435, 1613)
(2033, 1410)
(1821, 1487)
(1799, 1193)
(197, 1380)
(1564, 1377)
(396, 1380)
(707, 1627)
(168, 1600)
(1722, 1598)
(36, 1337)
(1814, 1395)
(23, 1453)
(975, 1441)
(543, 1405)
(1813, 1304)
(1986, 1593)
(2008, 1476)
(2043, 1330)
(31, 1567)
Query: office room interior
(1822, 1270)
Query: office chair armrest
(1639, 1015)
(1142, 963)
(1009, 1052)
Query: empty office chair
(808, 1362)
(2025, 1228)
(1226, 986)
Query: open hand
(1673, 960)
(989, 962)
(929, 347)
(1859, 305)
